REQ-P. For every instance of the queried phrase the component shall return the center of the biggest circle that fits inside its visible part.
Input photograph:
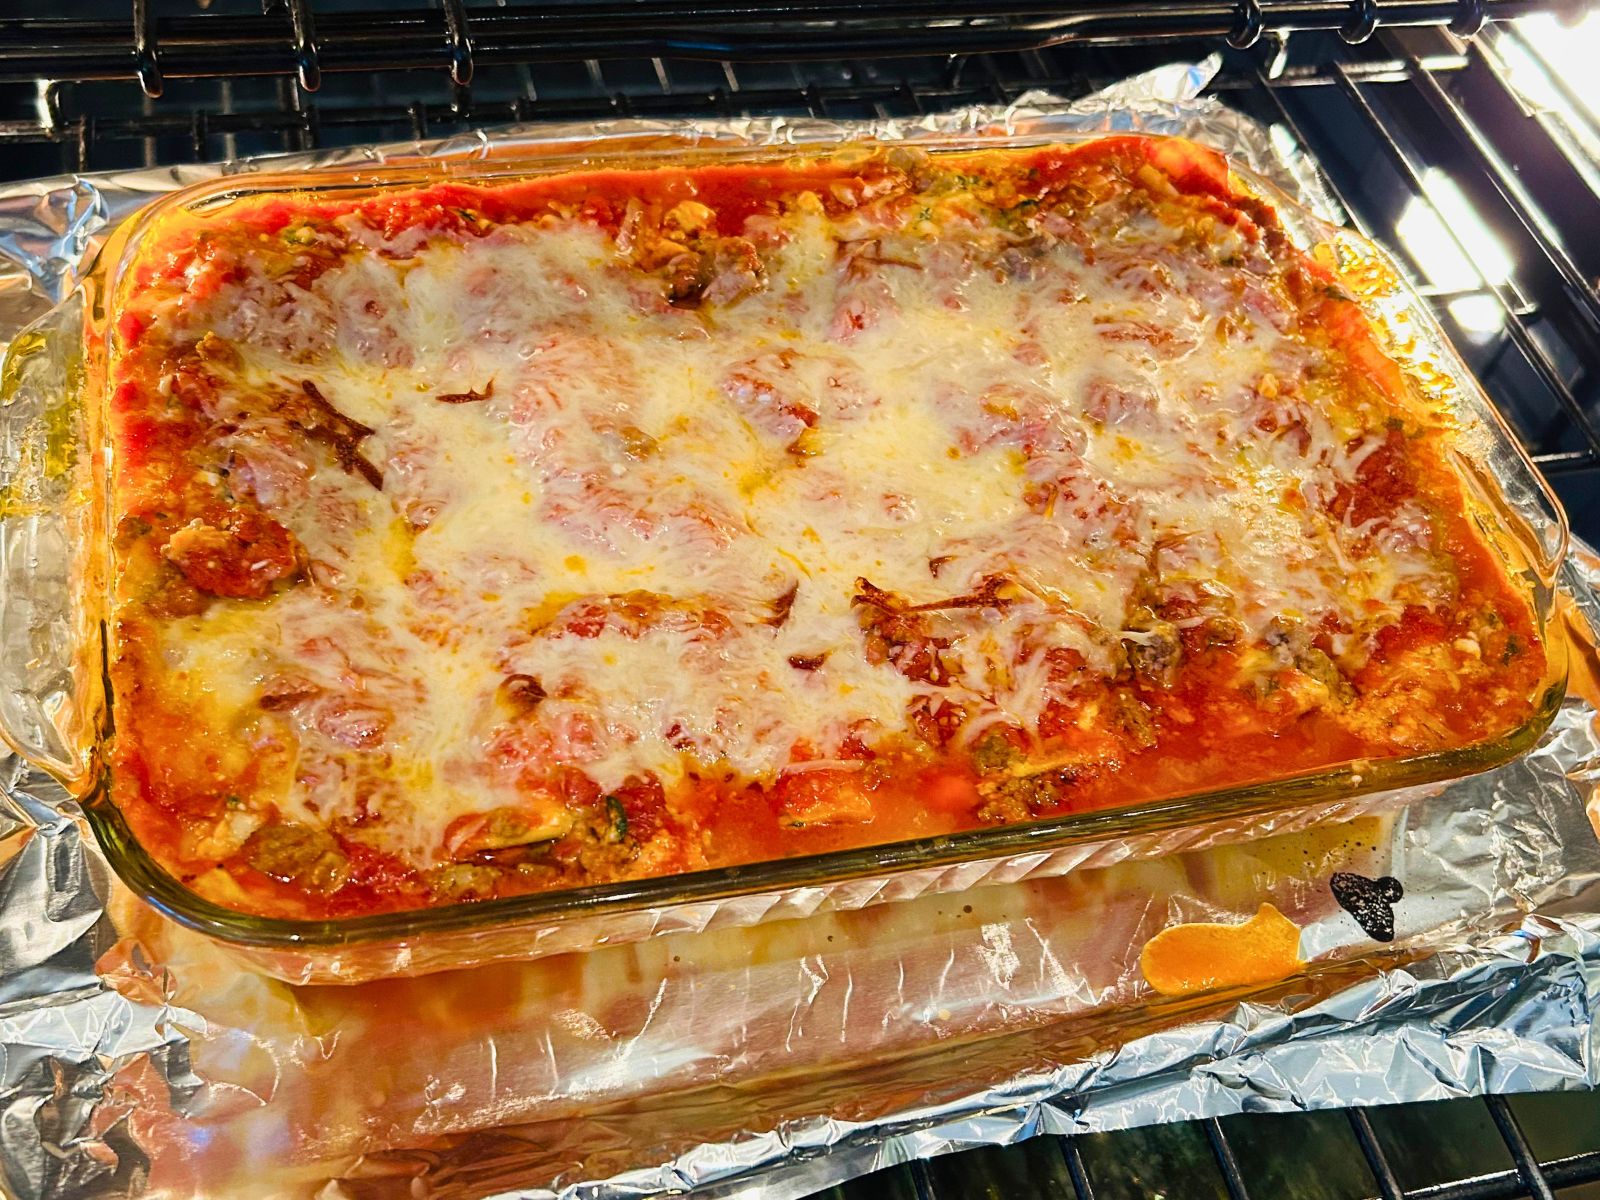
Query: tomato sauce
(185, 541)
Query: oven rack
(1074, 1168)
(291, 37)
(1409, 119)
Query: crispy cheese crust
(474, 541)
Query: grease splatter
(1200, 956)
(1370, 901)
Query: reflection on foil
(137, 1059)
(138, 1053)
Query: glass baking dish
(55, 587)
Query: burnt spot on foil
(1370, 901)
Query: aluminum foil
(137, 1059)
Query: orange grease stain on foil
(1201, 956)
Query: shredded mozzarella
(922, 427)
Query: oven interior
(1463, 134)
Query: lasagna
(471, 541)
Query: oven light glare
(1477, 314)
(1567, 52)
(1438, 255)
(1455, 251)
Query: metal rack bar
(147, 68)
(455, 23)
(1568, 408)
(1530, 1179)
(303, 39)
(1528, 1169)
(1562, 86)
(286, 39)
(922, 1181)
(1518, 204)
(1227, 1160)
(1382, 1169)
(1076, 1171)
(292, 113)
(1510, 1185)
(1516, 325)
(1485, 93)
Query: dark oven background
(1474, 160)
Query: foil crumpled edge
(1511, 1015)
(1505, 1014)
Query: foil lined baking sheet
(138, 1059)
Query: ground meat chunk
(243, 555)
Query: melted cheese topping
(662, 514)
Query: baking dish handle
(51, 683)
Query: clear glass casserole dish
(55, 555)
